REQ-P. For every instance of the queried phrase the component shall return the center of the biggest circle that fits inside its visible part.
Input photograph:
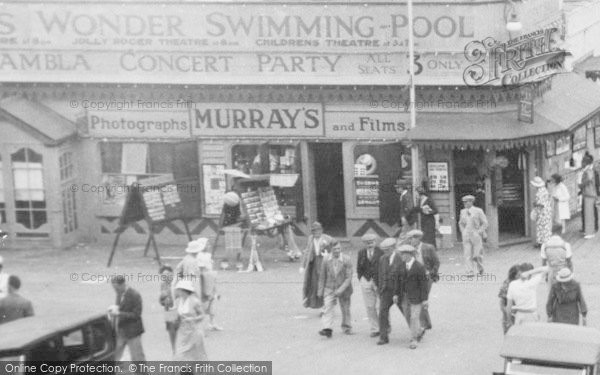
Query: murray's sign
(528, 58)
(257, 120)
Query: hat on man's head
(468, 198)
(387, 243)
(406, 249)
(368, 237)
(197, 245)
(316, 226)
(564, 275)
(414, 233)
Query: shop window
(30, 200)
(282, 159)
(126, 163)
(65, 162)
(2, 199)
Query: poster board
(550, 148)
(437, 174)
(526, 104)
(597, 137)
(579, 139)
(214, 188)
(366, 191)
(563, 144)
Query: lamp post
(413, 116)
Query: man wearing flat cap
(367, 265)
(427, 256)
(412, 293)
(317, 249)
(473, 226)
(389, 276)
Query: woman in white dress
(561, 199)
(189, 344)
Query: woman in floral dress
(543, 211)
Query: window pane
(22, 204)
(41, 204)
(33, 157)
(19, 156)
(161, 158)
(24, 218)
(39, 218)
(36, 179)
(111, 157)
(20, 176)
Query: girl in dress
(561, 198)
(189, 344)
(543, 212)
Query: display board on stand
(158, 200)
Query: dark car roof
(22, 332)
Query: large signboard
(257, 120)
(138, 123)
(220, 43)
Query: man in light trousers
(473, 226)
(367, 264)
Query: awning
(572, 101)
(38, 120)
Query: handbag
(533, 215)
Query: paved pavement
(264, 319)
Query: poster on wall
(437, 174)
(579, 139)
(213, 182)
(563, 144)
(550, 148)
(597, 137)
(367, 191)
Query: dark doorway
(329, 181)
(469, 178)
(510, 191)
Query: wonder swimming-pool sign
(528, 58)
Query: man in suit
(407, 207)
(13, 306)
(428, 213)
(412, 292)
(473, 226)
(127, 314)
(367, 264)
(335, 285)
(427, 256)
(317, 249)
(390, 269)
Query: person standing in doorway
(413, 290)
(367, 264)
(561, 197)
(590, 194)
(473, 226)
(127, 313)
(317, 249)
(390, 269)
(427, 256)
(542, 211)
(428, 212)
(335, 285)
(13, 306)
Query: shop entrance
(510, 191)
(469, 178)
(329, 182)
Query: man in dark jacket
(13, 306)
(427, 256)
(127, 313)
(390, 269)
(412, 291)
(367, 265)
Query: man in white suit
(473, 226)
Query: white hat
(185, 285)
(538, 182)
(564, 275)
(197, 246)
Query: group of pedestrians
(13, 306)
(398, 271)
(551, 203)
(565, 302)
(187, 295)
